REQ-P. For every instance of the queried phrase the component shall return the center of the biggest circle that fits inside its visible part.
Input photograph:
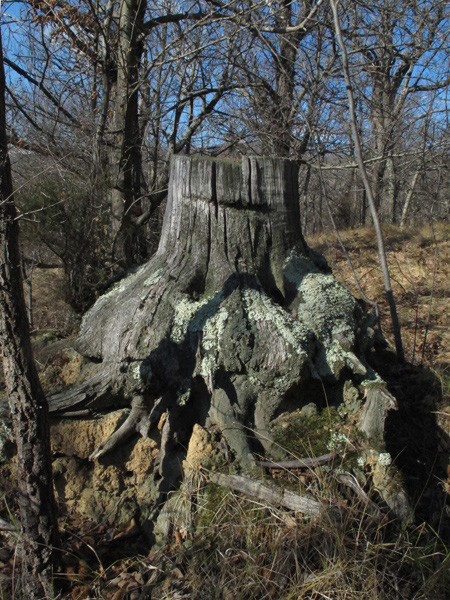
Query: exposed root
(140, 420)
(137, 421)
(93, 394)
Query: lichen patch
(191, 316)
(259, 307)
(154, 278)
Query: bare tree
(367, 185)
(27, 401)
(399, 49)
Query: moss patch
(302, 433)
(212, 499)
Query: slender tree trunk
(126, 154)
(27, 402)
(409, 196)
(367, 186)
(389, 204)
(285, 84)
(106, 83)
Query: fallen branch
(285, 498)
(301, 463)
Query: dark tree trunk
(27, 402)
(125, 156)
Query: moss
(305, 434)
(212, 499)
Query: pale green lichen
(154, 279)
(212, 334)
(137, 371)
(142, 371)
(384, 459)
(326, 307)
(207, 317)
(296, 266)
(332, 359)
(185, 311)
(191, 316)
(338, 441)
(259, 307)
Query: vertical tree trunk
(126, 153)
(27, 402)
(285, 73)
(409, 196)
(367, 186)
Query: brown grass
(419, 261)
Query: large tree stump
(232, 322)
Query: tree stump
(234, 321)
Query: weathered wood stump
(232, 322)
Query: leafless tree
(367, 185)
(27, 401)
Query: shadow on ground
(415, 439)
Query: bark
(27, 402)
(271, 495)
(285, 83)
(409, 196)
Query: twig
(301, 463)
(351, 482)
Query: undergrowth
(236, 548)
(242, 549)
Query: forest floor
(242, 549)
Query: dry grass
(51, 311)
(242, 550)
(419, 261)
(237, 549)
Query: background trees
(105, 92)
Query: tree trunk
(232, 322)
(27, 402)
(125, 156)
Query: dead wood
(271, 495)
(301, 463)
